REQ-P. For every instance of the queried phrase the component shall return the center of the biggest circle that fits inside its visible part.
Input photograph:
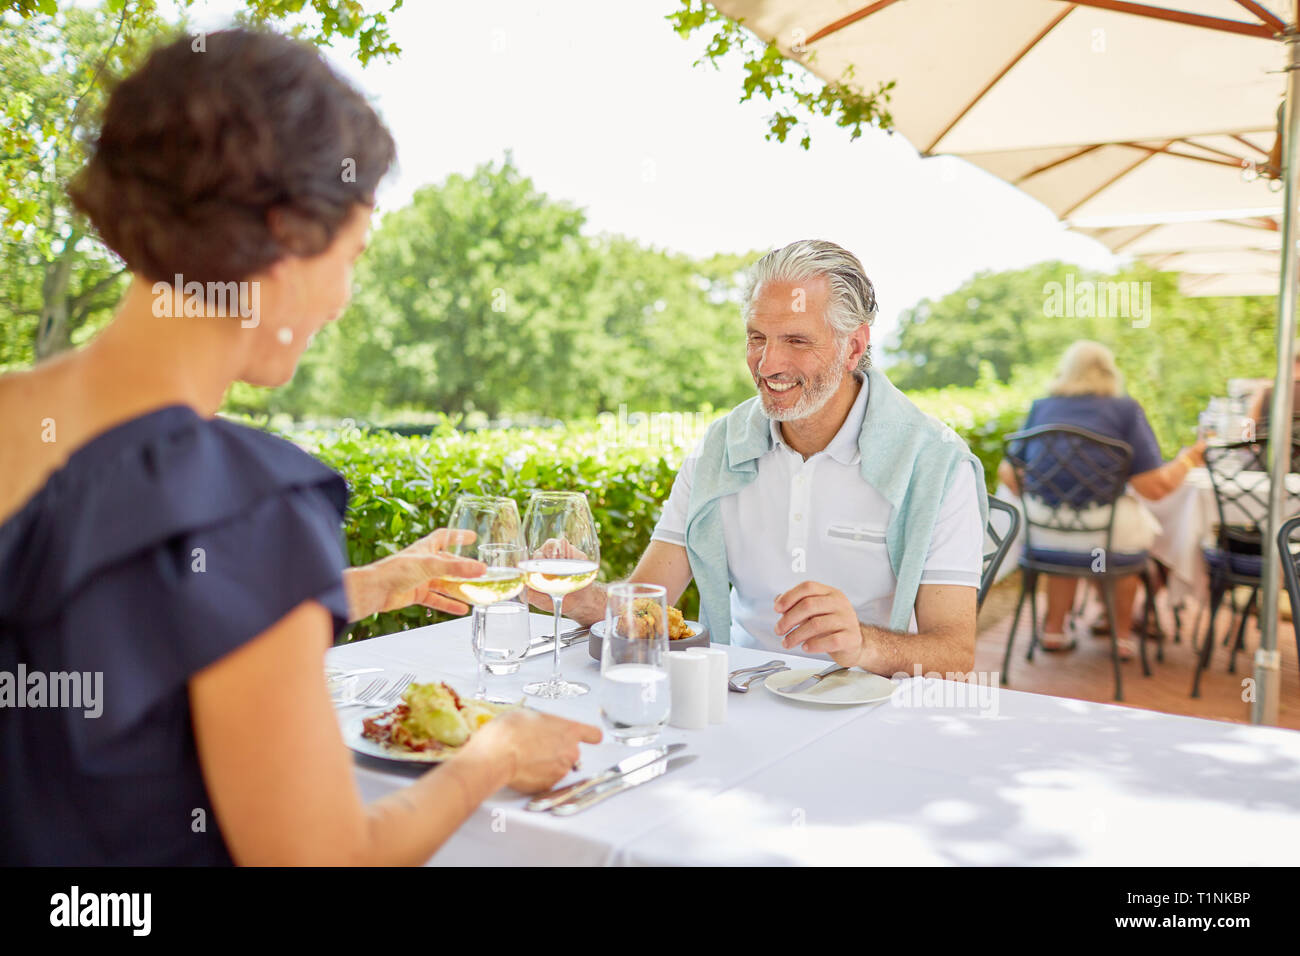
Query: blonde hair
(1087, 368)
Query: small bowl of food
(681, 632)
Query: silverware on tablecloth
(553, 798)
(338, 675)
(623, 783)
(567, 639)
(739, 681)
(379, 694)
(804, 685)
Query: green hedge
(403, 487)
(981, 416)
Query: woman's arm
(1007, 475)
(1158, 482)
(410, 577)
(280, 777)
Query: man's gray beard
(815, 394)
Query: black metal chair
(1236, 558)
(1001, 545)
(1070, 479)
(1289, 551)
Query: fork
(380, 694)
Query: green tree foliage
(58, 281)
(57, 60)
(484, 296)
(770, 75)
(1174, 360)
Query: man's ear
(858, 342)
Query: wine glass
(564, 557)
(505, 635)
(634, 663)
(495, 522)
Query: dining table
(942, 772)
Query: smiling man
(828, 515)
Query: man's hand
(821, 620)
(411, 576)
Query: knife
(804, 685)
(626, 782)
(625, 766)
(567, 639)
(337, 675)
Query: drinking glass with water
(634, 696)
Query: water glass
(503, 639)
(634, 697)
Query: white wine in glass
(495, 522)
(558, 576)
(496, 584)
(564, 557)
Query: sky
(600, 104)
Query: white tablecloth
(1046, 780)
(1187, 517)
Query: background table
(1041, 780)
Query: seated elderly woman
(195, 565)
(1088, 392)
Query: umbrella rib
(998, 78)
(1245, 142)
(1263, 13)
(1111, 181)
(854, 17)
(1182, 16)
(1059, 162)
(1236, 160)
(1129, 242)
(1236, 164)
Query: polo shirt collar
(843, 448)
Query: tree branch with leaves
(771, 74)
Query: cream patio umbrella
(1235, 255)
(1093, 107)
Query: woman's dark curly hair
(216, 159)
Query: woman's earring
(285, 335)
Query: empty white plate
(844, 688)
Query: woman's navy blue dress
(162, 545)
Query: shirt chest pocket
(857, 538)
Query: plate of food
(681, 632)
(430, 724)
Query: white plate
(363, 745)
(845, 688)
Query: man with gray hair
(828, 515)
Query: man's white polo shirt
(818, 520)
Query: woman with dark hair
(196, 564)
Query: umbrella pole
(1268, 669)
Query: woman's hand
(539, 748)
(411, 576)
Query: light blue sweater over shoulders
(909, 457)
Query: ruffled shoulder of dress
(140, 484)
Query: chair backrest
(1239, 476)
(1069, 478)
(1287, 551)
(1001, 541)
